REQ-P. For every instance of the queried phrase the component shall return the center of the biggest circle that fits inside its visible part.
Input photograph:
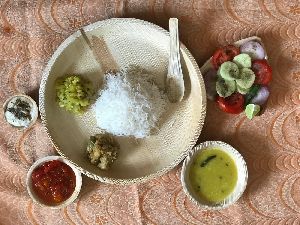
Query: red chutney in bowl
(53, 181)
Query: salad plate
(208, 64)
(237, 77)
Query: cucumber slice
(229, 71)
(242, 60)
(241, 90)
(225, 88)
(247, 78)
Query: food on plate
(241, 75)
(247, 78)
(213, 175)
(263, 71)
(224, 54)
(229, 71)
(252, 110)
(241, 90)
(53, 182)
(261, 96)
(130, 104)
(225, 88)
(254, 49)
(252, 93)
(242, 60)
(73, 93)
(102, 150)
(233, 104)
(20, 111)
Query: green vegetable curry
(213, 175)
(73, 93)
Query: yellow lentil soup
(213, 175)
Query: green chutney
(213, 175)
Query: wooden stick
(101, 52)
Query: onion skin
(254, 49)
(261, 97)
(210, 78)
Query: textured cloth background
(30, 31)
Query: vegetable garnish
(261, 96)
(263, 71)
(21, 110)
(209, 158)
(240, 75)
(251, 94)
(233, 104)
(224, 54)
(253, 49)
(73, 93)
(252, 110)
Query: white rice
(130, 104)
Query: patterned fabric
(30, 31)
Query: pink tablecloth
(30, 31)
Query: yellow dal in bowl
(213, 175)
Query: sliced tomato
(262, 70)
(233, 104)
(224, 54)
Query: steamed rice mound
(129, 105)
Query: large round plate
(130, 42)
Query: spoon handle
(175, 83)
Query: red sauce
(53, 182)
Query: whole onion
(210, 78)
(254, 49)
(261, 97)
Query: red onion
(254, 49)
(210, 78)
(262, 96)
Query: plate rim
(122, 181)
